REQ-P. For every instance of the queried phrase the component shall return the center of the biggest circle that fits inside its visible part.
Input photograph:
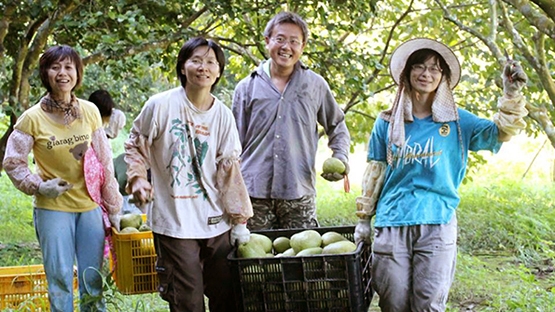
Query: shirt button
(279, 117)
(277, 136)
(276, 156)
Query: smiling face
(285, 45)
(424, 77)
(62, 77)
(201, 69)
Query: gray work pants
(413, 267)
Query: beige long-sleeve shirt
(159, 140)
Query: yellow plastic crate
(24, 288)
(135, 271)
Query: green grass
(334, 206)
(506, 236)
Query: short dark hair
(186, 52)
(286, 17)
(421, 56)
(104, 102)
(55, 54)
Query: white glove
(115, 220)
(54, 187)
(514, 78)
(240, 234)
(363, 232)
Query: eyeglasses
(292, 42)
(208, 63)
(420, 68)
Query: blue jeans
(64, 237)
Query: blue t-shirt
(421, 186)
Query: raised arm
(512, 110)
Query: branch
(237, 48)
(355, 111)
(184, 30)
(487, 41)
(547, 6)
(538, 63)
(494, 20)
(516, 38)
(5, 25)
(382, 61)
(539, 20)
(132, 50)
(539, 114)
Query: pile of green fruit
(132, 223)
(300, 244)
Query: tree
(129, 43)
(528, 26)
(130, 48)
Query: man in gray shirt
(278, 108)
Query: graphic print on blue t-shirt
(415, 152)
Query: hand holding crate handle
(240, 234)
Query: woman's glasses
(420, 68)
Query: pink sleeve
(111, 197)
(16, 165)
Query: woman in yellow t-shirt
(62, 132)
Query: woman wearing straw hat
(417, 158)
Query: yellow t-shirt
(58, 152)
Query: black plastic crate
(311, 283)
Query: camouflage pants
(283, 214)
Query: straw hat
(401, 54)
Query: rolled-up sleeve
(137, 147)
(233, 190)
(332, 119)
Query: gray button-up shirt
(279, 132)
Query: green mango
(339, 248)
(250, 250)
(332, 237)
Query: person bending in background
(113, 119)
(278, 108)
(61, 131)
(417, 158)
(198, 204)
(120, 171)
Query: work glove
(240, 234)
(363, 232)
(333, 177)
(54, 187)
(514, 78)
(115, 220)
